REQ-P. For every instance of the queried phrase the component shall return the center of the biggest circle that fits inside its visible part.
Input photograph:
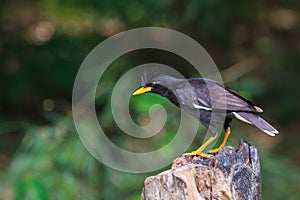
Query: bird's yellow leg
(227, 133)
(201, 148)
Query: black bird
(200, 97)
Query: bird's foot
(216, 150)
(196, 153)
(199, 151)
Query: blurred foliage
(42, 44)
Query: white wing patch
(201, 107)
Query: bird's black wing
(204, 94)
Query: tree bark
(230, 174)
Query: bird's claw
(216, 150)
(195, 153)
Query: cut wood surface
(230, 174)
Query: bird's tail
(257, 121)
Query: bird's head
(153, 87)
(161, 84)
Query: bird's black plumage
(199, 97)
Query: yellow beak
(142, 90)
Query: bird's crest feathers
(148, 75)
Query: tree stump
(230, 174)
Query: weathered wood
(230, 174)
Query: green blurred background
(255, 44)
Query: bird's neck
(172, 97)
(167, 93)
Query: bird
(200, 97)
